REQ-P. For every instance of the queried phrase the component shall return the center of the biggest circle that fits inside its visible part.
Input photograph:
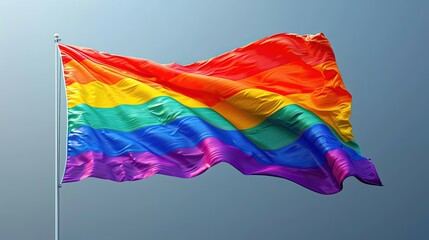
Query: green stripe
(127, 118)
(297, 119)
(281, 129)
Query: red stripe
(237, 64)
(264, 54)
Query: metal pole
(57, 140)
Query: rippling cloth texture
(275, 107)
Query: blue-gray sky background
(381, 49)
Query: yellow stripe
(126, 91)
(251, 107)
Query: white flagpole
(57, 140)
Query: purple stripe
(190, 162)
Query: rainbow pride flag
(275, 107)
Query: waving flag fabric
(275, 107)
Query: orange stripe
(287, 79)
(87, 71)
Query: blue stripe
(307, 151)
